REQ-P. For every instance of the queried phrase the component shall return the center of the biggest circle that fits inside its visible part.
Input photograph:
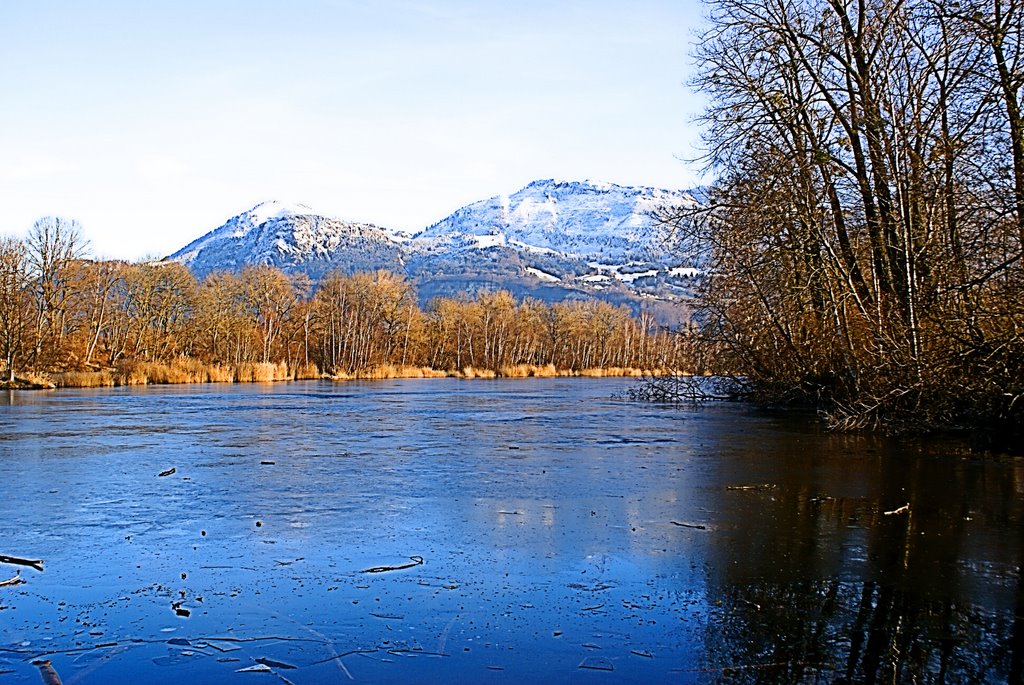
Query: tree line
(63, 314)
(866, 229)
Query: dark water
(547, 516)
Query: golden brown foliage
(866, 231)
(136, 324)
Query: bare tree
(15, 304)
(53, 245)
(96, 285)
(270, 297)
(860, 258)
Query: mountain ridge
(553, 239)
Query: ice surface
(552, 521)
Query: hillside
(553, 240)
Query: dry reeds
(180, 370)
(188, 370)
(528, 371)
(378, 373)
(84, 379)
(35, 381)
(625, 372)
(610, 372)
(215, 373)
(261, 372)
(306, 372)
(473, 372)
(389, 371)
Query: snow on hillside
(239, 226)
(551, 239)
(577, 218)
(294, 237)
(542, 275)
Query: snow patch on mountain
(684, 272)
(543, 275)
(490, 240)
(265, 211)
(634, 276)
(291, 236)
(575, 218)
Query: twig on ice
(698, 526)
(416, 561)
(16, 580)
(49, 675)
(37, 564)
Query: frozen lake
(565, 536)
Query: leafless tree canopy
(61, 313)
(866, 227)
(15, 304)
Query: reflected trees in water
(823, 585)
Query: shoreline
(191, 374)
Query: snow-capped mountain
(554, 240)
(559, 239)
(292, 237)
(596, 221)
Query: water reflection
(817, 580)
(563, 533)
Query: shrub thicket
(866, 230)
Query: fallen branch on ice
(698, 526)
(16, 580)
(416, 561)
(905, 509)
(49, 675)
(37, 564)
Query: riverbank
(187, 371)
(32, 383)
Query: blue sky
(153, 121)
